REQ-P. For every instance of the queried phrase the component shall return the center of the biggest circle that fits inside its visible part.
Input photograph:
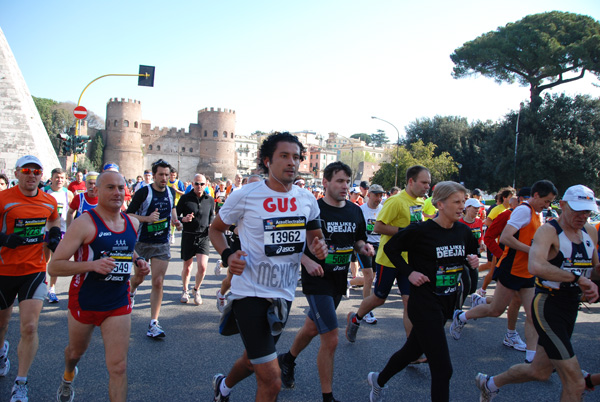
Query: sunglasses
(36, 172)
(197, 183)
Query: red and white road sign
(80, 112)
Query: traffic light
(67, 144)
(80, 143)
(147, 79)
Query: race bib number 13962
(284, 236)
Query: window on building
(158, 147)
(205, 133)
(182, 149)
(125, 123)
(135, 124)
(191, 149)
(231, 135)
(215, 133)
(150, 147)
(115, 123)
(224, 134)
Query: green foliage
(540, 51)
(442, 166)
(379, 138)
(97, 151)
(363, 137)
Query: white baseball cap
(580, 198)
(473, 202)
(27, 159)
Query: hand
(178, 225)
(188, 218)
(11, 240)
(589, 289)
(313, 268)
(103, 266)
(141, 268)
(154, 216)
(367, 249)
(237, 262)
(473, 261)
(417, 278)
(318, 248)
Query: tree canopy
(540, 51)
(379, 138)
(363, 137)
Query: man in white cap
(563, 258)
(25, 213)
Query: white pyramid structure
(21, 129)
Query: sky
(324, 66)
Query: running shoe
(476, 300)
(217, 379)
(457, 325)
(481, 382)
(287, 372)
(514, 341)
(218, 268)
(221, 301)
(348, 286)
(185, 297)
(197, 298)
(351, 328)
(51, 297)
(377, 392)
(155, 331)
(66, 392)
(4, 362)
(589, 387)
(19, 392)
(481, 292)
(370, 318)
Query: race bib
(446, 279)
(158, 226)
(123, 268)
(476, 232)
(338, 258)
(32, 230)
(284, 236)
(370, 226)
(416, 213)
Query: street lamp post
(516, 145)
(397, 147)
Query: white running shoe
(4, 362)
(221, 301)
(481, 382)
(514, 341)
(197, 298)
(66, 392)
(370, 318)
(218, 268)
(155, 331)
(481, 292)
(456, 326)
(476, 300)
(377, 392)
(185, 297)
(19, 392)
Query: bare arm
(153, 217)
(70, 214)
(385, 229)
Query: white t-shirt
(272, 230)
(521, 217)
(62, 200)
(370, 219)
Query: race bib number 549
(284, 236)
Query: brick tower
(217, 144)
(123, 136)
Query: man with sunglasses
(154, 207)
(195, 211)
(25, 213)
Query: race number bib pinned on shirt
(155, 228)
(416, 213)
(446, 279)
(370, 226)
(284, 236)
(338, 258)
(122, 269)
(32, 230)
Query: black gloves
(54, 236)
(11, 240)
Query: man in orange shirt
(25, 213)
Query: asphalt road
(181, 367)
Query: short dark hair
(413, 171)
(173, 170)
(504, 193)
(58, 171)
(364, 184)
(5, 178)
(543, 188)
(160, 163)
(267, 148)
(335, 167)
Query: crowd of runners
(273, 234)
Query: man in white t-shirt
(275, 221)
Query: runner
(397, 212)
(324, 280)
(77, 186)
(511, 274)
(438, 249)
(63, 200)
(179, 188)
(562, 257)
(25, 211)
(195, 210)
(83, 201)
(275, 221)
(154, 207)
(102, 241)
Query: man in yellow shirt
(398, 212)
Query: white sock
(21, 379)
(225, 390)
(463, 317)
(491, 385)
(511, 331)
(152, 322)
(529, 355)
(52, 289)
